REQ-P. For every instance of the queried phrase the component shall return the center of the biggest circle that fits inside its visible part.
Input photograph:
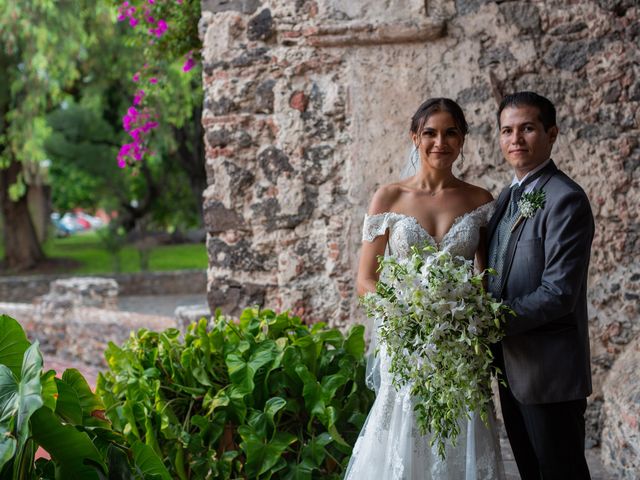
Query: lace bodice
(404, 231)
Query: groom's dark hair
(547, 111)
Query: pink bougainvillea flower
(139, 122)
(127, 123)
(149, 126)
(161, 28)
(137, 99)
(129, 119)
(189, 64)
(135, 134)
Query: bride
(436, 207)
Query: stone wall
(75, 321)
(307, 105)
(26, 288)
(621, 432)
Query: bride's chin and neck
(433, 176)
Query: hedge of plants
(265, 396)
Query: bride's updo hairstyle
(434, 105)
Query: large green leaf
(263, 455)
(300, 471)
(88, 401)
(49, 389)
(8, 446)
(312, 391)
(148, 462)
(263, 423)
(354, 343)
(310, 351)
(19, 398)
(13, 344)
(242, 372)
(331, 383)
(68, 404)
(314, 451)
(8, 395)
(74, 453)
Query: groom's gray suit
(544, 280)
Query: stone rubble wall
(306, 111)
(78, 318)
(25, 288)
(621, 432)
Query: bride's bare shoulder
(477, 195)
(385, 198)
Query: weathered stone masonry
(306, 112)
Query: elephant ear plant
(264, 397)
(61, 415)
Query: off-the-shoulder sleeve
(484, 212)
(374, 226)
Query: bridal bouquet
(437, 325)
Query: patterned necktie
(500, 239)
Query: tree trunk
(39, 199)
(21, 247)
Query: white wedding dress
(390, 446)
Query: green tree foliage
(167, 83)
(267, 397)
(164, 190)
(43, 43)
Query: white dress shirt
(533, 183)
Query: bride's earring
(415, 157)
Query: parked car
(73, 222)
(60, 229)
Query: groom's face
(524, 141)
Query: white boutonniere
(529, 204)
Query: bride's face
(440, 141)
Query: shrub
(267, 397)
(61, 415)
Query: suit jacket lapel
(548, 172)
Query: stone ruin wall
(307, 105)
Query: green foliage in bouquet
(437, 326)
(267, 397)
(61, 415)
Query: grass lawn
(87, 250)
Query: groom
(539, 244)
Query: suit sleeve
(567, 247)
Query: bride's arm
(367, 277)
(368, 266)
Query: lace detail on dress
(404, 231)
(390, 445)
(375, 225)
